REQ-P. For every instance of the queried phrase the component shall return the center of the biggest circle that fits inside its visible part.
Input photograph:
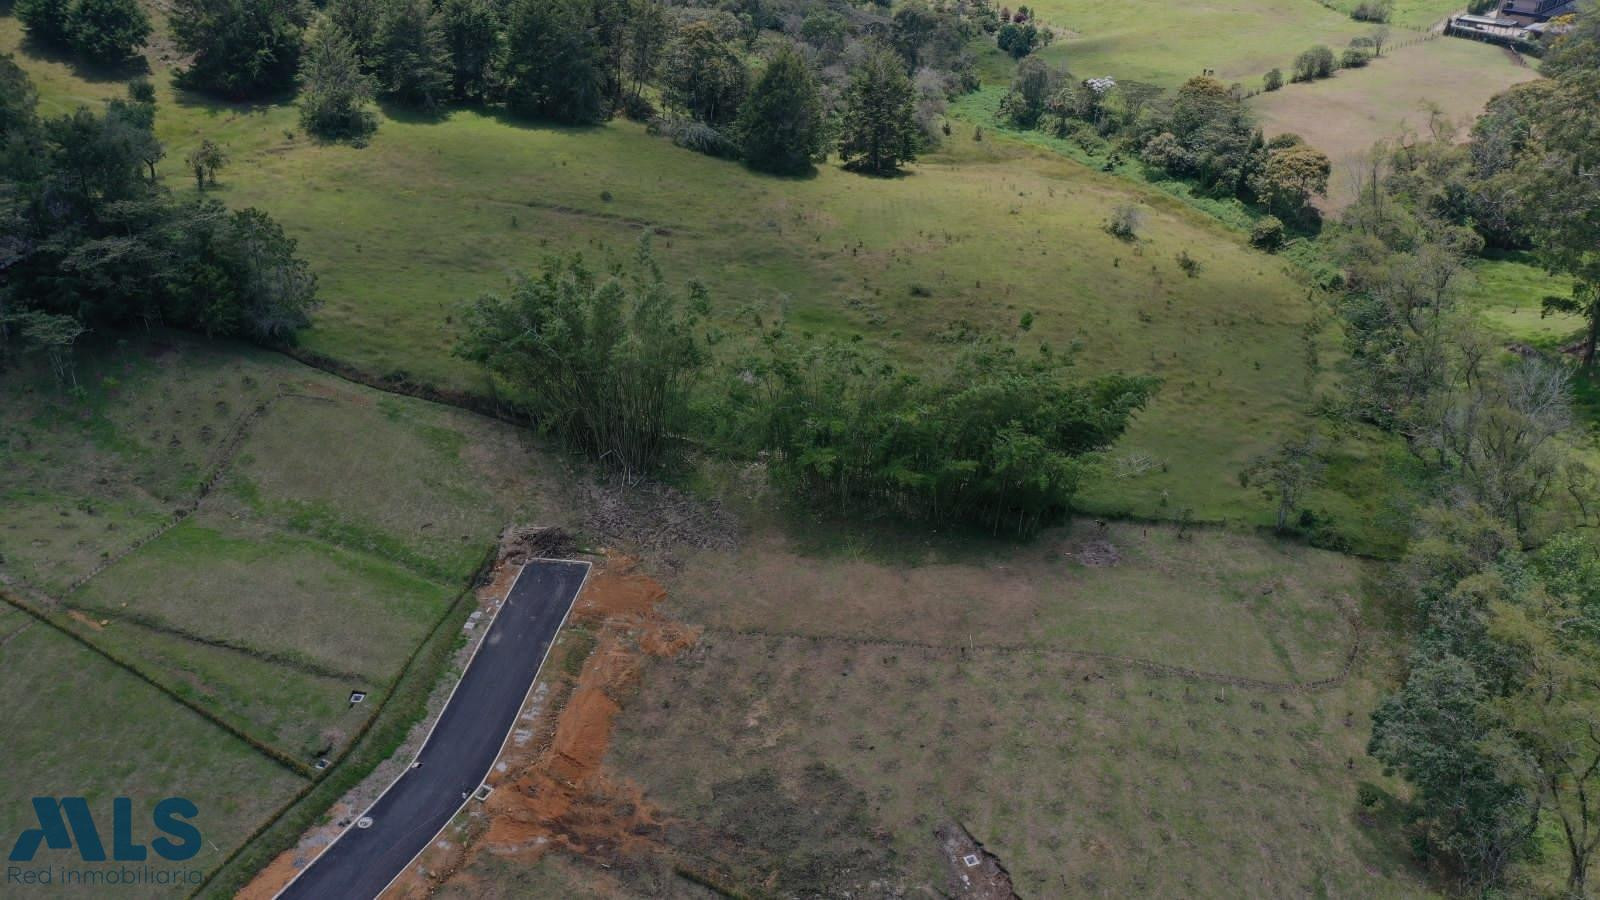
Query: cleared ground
(1391, 97)
(1086, 776)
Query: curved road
(459, 751)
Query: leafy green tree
(110, 31)
(1035, 84)
(475, 38)
(45, 20)
(644, 39)
(1285, 475)
(335, 94)
(1439, 734)
(360, 21)
(239, 48)
(825, 30)
(19, 101)
(606, 361)
(1555, 715)
(205, 161)
(913, 25)
(780, 126)
(1020, 40)
(94, 244)
(703, 75)
(411, 57)
(236, 273)
(878, 128)
(1291, 178)
(1273, 80)
(554, 67)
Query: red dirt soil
(555, 792)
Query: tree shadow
(809, 174)
(198, 100)
(406, 114)
(92, 71)
(504, 116)
(895, 174)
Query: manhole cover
(971, 859)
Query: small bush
(1353, 59)
(1125, 221)
(638, 108)
(702, 138)
(1267, 233)
(1273, 80)
(1190, 266)
(1368, 796)
(1318, 62)
(1372, 11)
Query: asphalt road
(457, 756)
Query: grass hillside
(401, 232)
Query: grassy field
(76, 725)
(1509, 291)
(1393, 96)
(290, 585)
(1166, 43)
(1078, 771)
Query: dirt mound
(520, 543)
(1098, 554)
(655, 518)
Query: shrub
(1125, 222)
(1353, 59)
(997, 440)
(1368, 796)
(701, 138)
(1267, 233)
(1273, 80)
(1372, 11)
(1190, 266)
(1318, 62)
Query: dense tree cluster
(93, 241)
(240, 49)
(1496, 722)
(814, 75)
(105, 31)
(1204, 132)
